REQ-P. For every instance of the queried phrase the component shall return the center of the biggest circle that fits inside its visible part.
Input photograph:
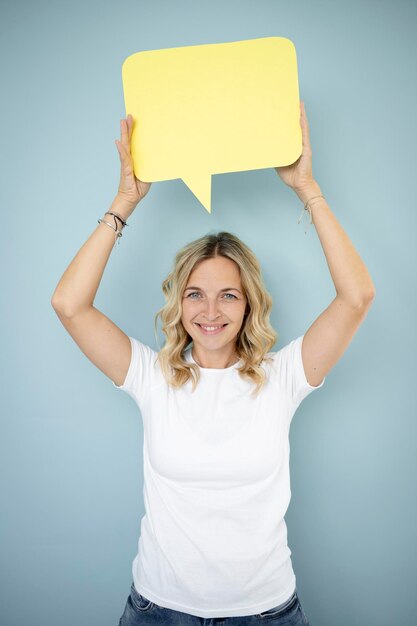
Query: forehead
(216, 269)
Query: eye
(196, 293)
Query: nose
(211, 310)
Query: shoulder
(142, 353)
(287, 352)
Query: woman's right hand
(131, 189)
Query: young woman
(217, 406)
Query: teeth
(210, 327)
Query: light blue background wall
(71, 445)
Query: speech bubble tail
(200, 185)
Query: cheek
(188, 311)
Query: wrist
(122, 207)
(307, 192)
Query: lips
(214, 328)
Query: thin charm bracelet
(118, 232)
(307, 208)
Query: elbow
(366, 298)
(362, 300)
(56, 300)
(370, 294)
(65, 309)
(58, 304)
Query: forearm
(349, 273)
(78, 286)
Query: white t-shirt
(213, 539)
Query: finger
(124, 134)
(130, 124)
(119, 149)
(304, 118)
(123, 152)
(304, 127)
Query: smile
(210, 330)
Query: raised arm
(331, 333)
(104, 343)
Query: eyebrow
(221, 290)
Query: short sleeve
(138, 377)
(291, 374)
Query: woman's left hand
(299, 174)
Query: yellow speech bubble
(211, 109)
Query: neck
(231, 361)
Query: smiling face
(213, 309)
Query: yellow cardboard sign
(210, 109)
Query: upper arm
(329, 336)
(104, 343)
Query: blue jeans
(141, 611)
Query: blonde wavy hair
(256, 335)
